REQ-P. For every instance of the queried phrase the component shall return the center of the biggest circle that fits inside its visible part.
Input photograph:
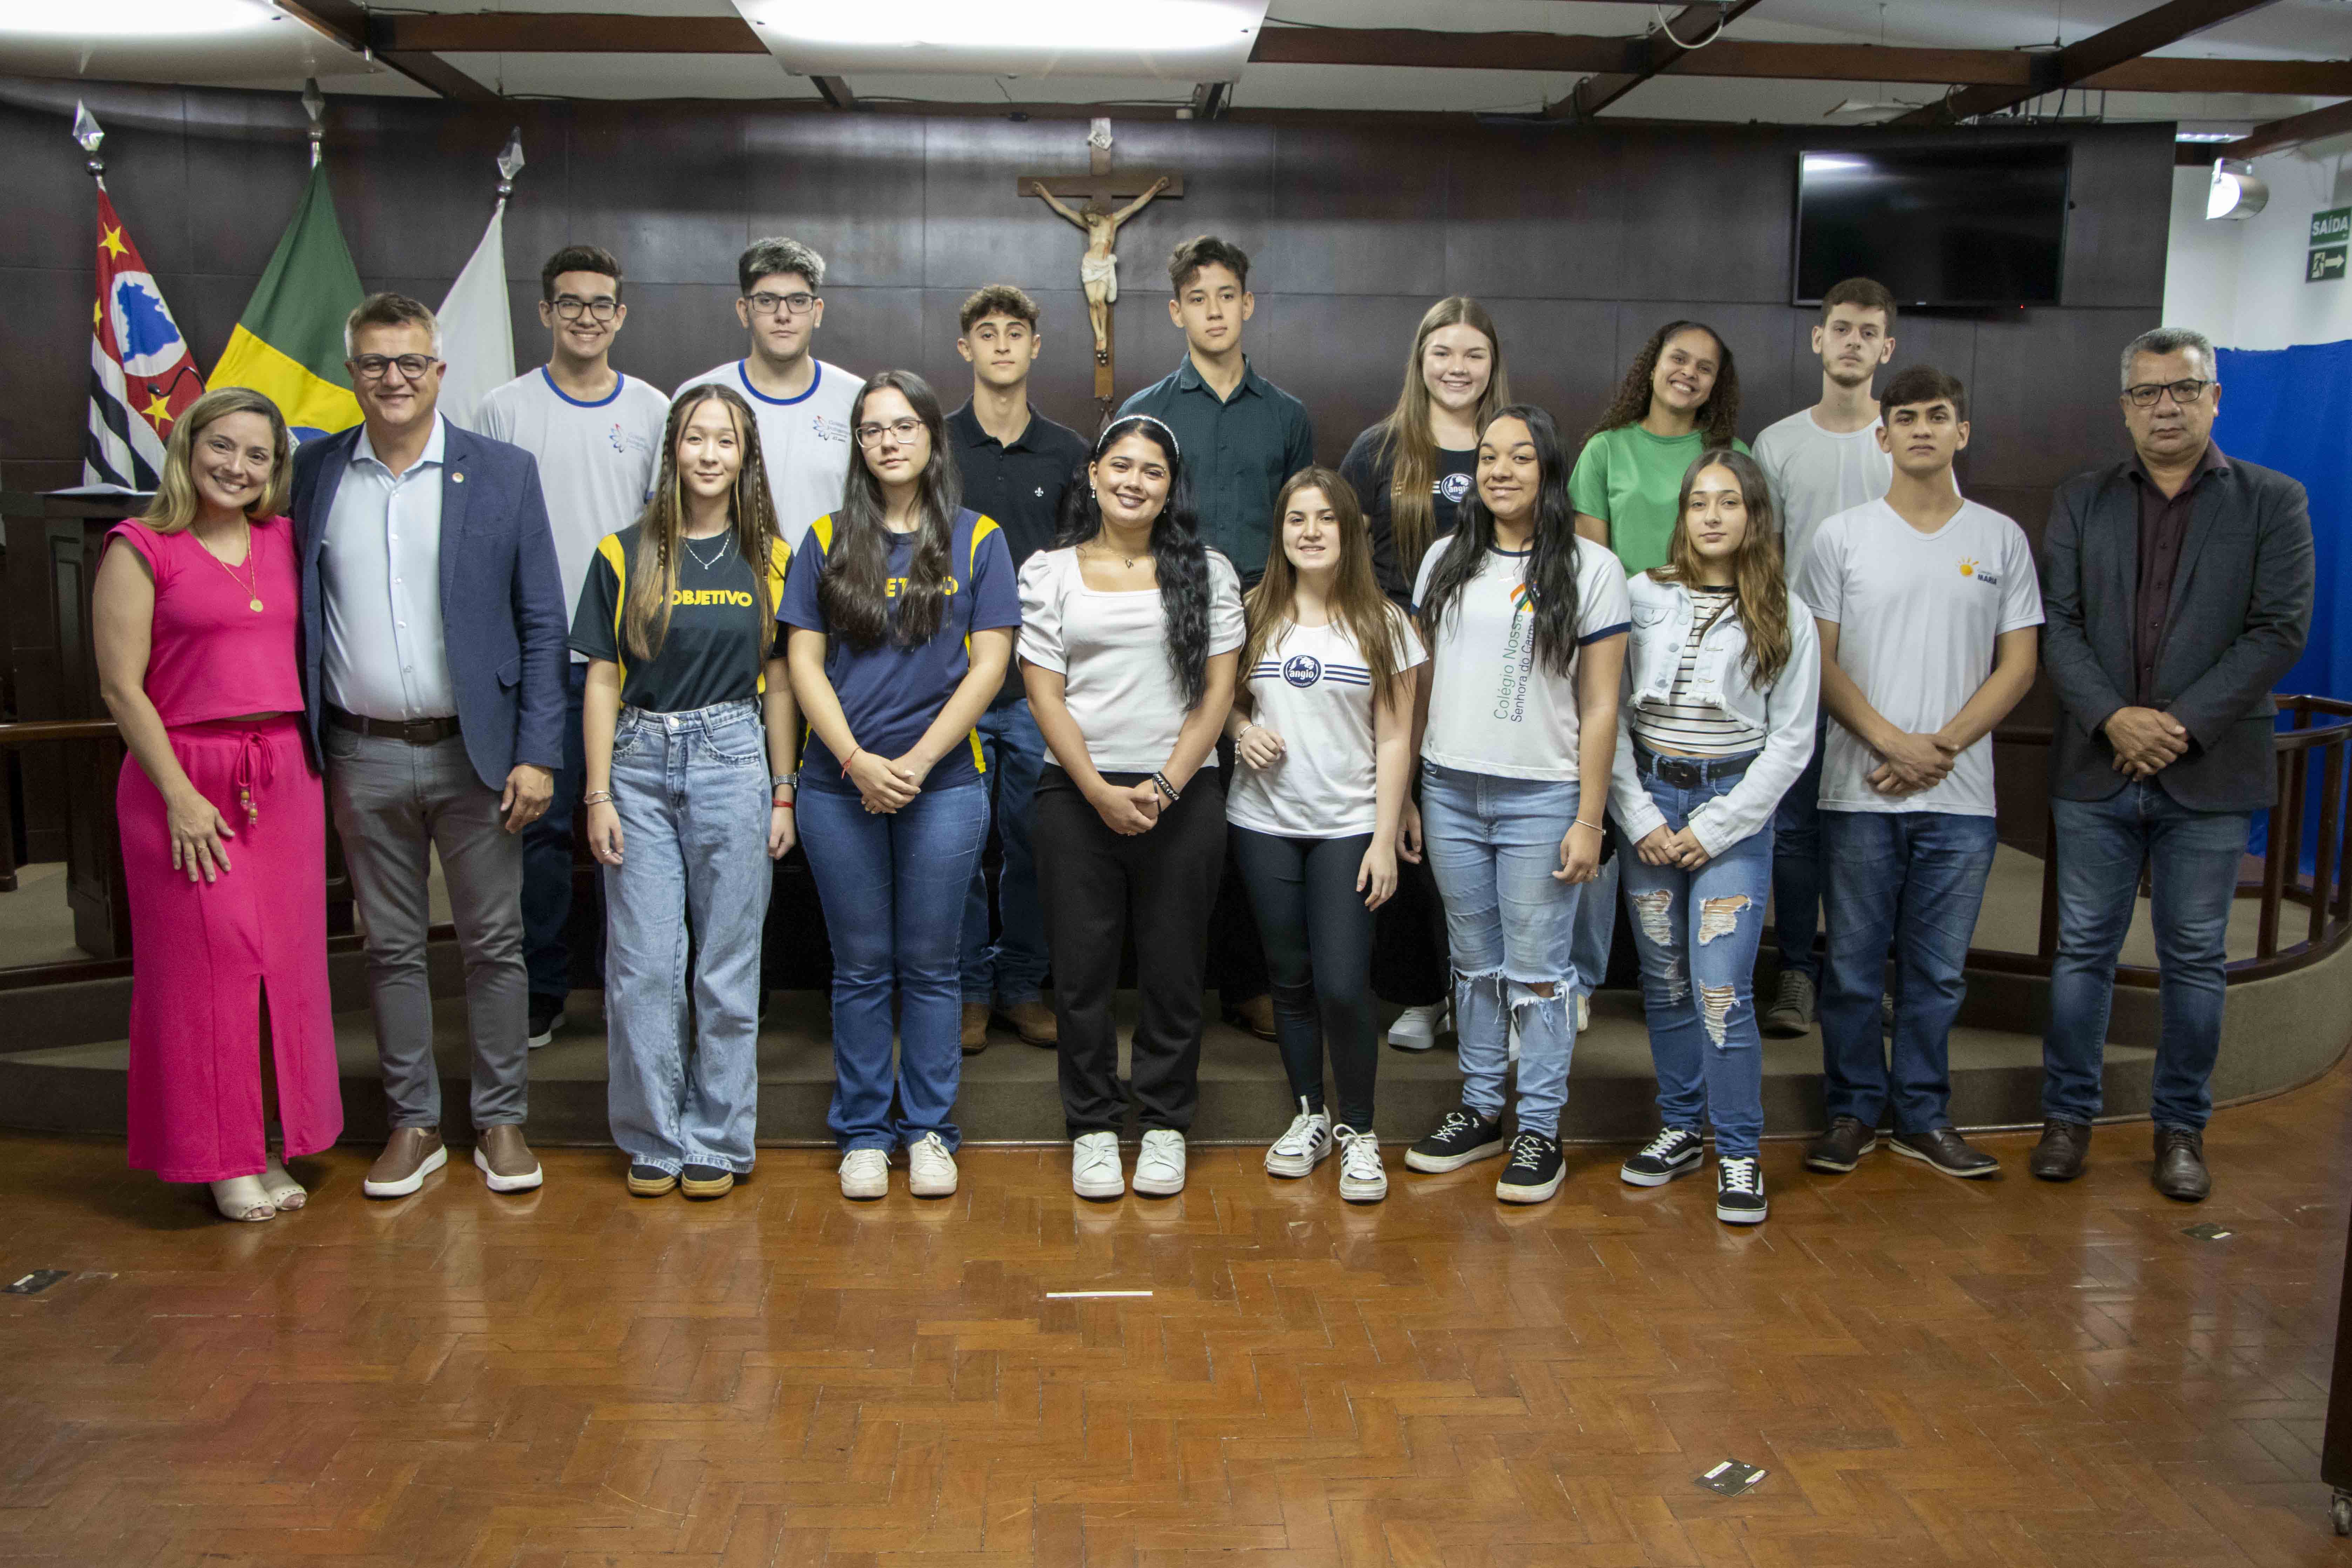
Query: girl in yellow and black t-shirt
(690, 734)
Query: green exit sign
(2325, 265)
(2333, 226)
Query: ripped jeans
(1697, 933)
(1494, 843)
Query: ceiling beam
(1654, 52)
(1418, 49)
(2336, 120)
(834, 90)
(2074, 66)
(573, 33)
(346, 23)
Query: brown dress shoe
(506, 1161)
(975, 1027)
(1034, 1021)
(2181, 1172)
(2059, 1156)
(410, 1155)
(1257, 1015)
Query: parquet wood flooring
(1933, 1372)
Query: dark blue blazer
(503, 619)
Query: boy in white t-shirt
(1928, 605)
(802, 404)
(597, 435)
(1820, 461)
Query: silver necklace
(721, 554)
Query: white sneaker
(1095, 1170)
(1583, 1011)
(930, 1168)
(866, 1174)
(1417, 1028)
(1297, 1152)
(1160, 1168)
(1363, 1178)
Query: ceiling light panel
(1169, 40)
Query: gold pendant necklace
(251, 581)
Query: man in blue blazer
(433, 679)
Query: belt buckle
(420, 732)
(1681, 773)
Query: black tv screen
(1964, 226)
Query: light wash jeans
(2101, 845)
(893, 885)
(692, 792)
(1697, 932)
(1494, 843)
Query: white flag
(477, 327)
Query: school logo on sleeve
(1302, 669)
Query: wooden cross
(1099, 190)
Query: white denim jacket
(1784, 710)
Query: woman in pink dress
(224, 827)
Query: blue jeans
(2101, 844)
(1912, 881)
(1012, 968)
(1596, 920)
(1494, 843)
(1800, 868)
(1702, 929)
(547, 861)
(893, 885)
(692, 792)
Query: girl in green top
(1680, 396)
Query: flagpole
(510, 165)
(91, 134)
(314, 103)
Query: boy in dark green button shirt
(1241, 436)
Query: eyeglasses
(766, 304)
(568, 308)
(2184, 393)
(902, 430)
(375, 367)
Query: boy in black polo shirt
(1015, 464)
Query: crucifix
(1098, 268)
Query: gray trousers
(393, 802)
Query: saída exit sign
(2331, 237)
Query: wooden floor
(1931, 1371)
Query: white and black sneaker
(546, 1017)
(1417, 1028)
(1361, 1179)
(1461, 1139)
(1534, 1171)
(1305, 1146)
(1740, 1190)
(1676, 1152)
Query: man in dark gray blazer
(432, 675)
(2177, 585)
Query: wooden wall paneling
(45, 343)
(667, 192)
(1537, 215)
(1560, 354)
(2119, 228)
(1341, 354)
(1720, 229)
(1355, 215)
(850, 185)
(870, 330)
(207, 306)
(977, 230)
(248, 157)
(2044, 401)
(1228, 172)
(50, 204)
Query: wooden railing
(2310, 758)
(13, 736)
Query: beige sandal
(284, 1192)
(243, 1198)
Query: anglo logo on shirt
(1302, 669)
(1453, 487)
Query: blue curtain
(2291, 409)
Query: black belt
(416, 731)
(1690, 773)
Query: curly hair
(1178, 556)
(1717, 417)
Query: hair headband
(1152, 419)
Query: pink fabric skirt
(205, 954)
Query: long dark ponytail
(1177, 555)
(1550, 573)
(854, 595)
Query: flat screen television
(1953, 226)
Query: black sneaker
(1676, 1152)
(1534, 1172)
(1461, 1139)
(1740, 1190)
(546, 1017)
(1842, 1147)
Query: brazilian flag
(289, 344)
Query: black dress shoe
(1947, 1150)
(2059, 1156)
(1841, 1148)
(2180, 1165)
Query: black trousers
(1318, 956)
(1236, 957)
(1099, 888)
(1411, 965)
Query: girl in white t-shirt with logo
(1322, 729)
(1526, 627)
